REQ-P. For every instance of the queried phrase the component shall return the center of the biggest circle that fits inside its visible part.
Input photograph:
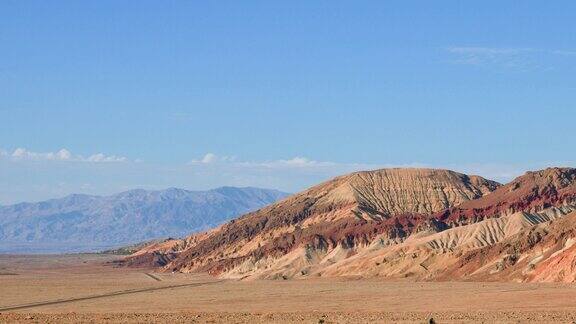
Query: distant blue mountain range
(79, 223)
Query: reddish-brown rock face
(391, 222)
(347, 211)
(530, 192)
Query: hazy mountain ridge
(85, 222)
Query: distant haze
(90, 223)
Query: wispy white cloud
(100, 157)
(302, 167)
(210, 158)
(509, 57)
(39, 181)
(22, 154)
(295, 163)
(563, 52)
(490, 51)
(288, 174)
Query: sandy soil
(81, 288)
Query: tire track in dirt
(153, 276)
(112, 294)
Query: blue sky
(104, 96)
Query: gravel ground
(313, 317)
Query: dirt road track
(153, 276)
(112, 294)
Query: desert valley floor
(86, 288)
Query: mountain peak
(405, 190)
(558, 177)
(533, 191)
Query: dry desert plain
(87, 288)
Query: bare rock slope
(347, 212)
(418, 223)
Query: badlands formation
(423, 224)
